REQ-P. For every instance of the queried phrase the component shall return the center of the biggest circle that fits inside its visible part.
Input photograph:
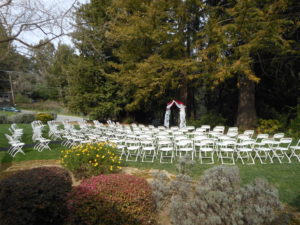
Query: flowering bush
(91, 159)
(268, 126)
(114, 199)
(44, 117)
(35, 197)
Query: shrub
(293, 128)
(209, 118)
(3, 119)
(35, 197)
(44, 117)
(115, 199)
(270, 126)
(22, 118)
(22, 99)
(219, 199)
(91, 159)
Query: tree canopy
(234, 59)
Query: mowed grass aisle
(286, 177)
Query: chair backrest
(177, 133)
(185, 143)
(180, 138)
(243, 137)
(247, 144)
(220, 129)
(233, 129)
(228, 143)
(200, 129)
(285, 142)
(174, 128)
(261, 136)
(278, 136)
(207, 143)
(162, 137)
(206, 127)
(249, 133)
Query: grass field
(286, 177)
(8, 113)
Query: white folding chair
(295, 151)
(133, 149)
(244, 151)
(166, 150)
(206, 150)
(15, 146)
(280, 151)
(250, 133)
(185, 147)
(148, 150)
(226, 152)
(262, 149)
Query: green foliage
(44, 117)
(3, 119)
(91, 159)
(294, 126)
(22, 99)
(48, 106)
(22, 118)
(116, 199)
(17, 118)
(35, 197)
(210, 118)
(268, 126)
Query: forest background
(233, 63)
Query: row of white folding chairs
(242, 150)
(41, 143)
(15, 145)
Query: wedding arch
(181, 106)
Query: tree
(154, 42)
(235, 32)
(19, 17)
(91, 90)
(59, 70)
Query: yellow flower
(103, 157)
(111, 168)
(66, 156)
(97, 156)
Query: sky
(34, 37)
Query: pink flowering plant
(117, 199)
(91, 159)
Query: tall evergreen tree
(154, 42)
(91, 91)
(235, 32)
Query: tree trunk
(246, 115)
(184, 93)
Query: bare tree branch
(5, 3)
(48, 20)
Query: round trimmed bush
(89, 160)
(114, 199)
(36, 197)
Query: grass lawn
(286, 177)
(8, 113)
